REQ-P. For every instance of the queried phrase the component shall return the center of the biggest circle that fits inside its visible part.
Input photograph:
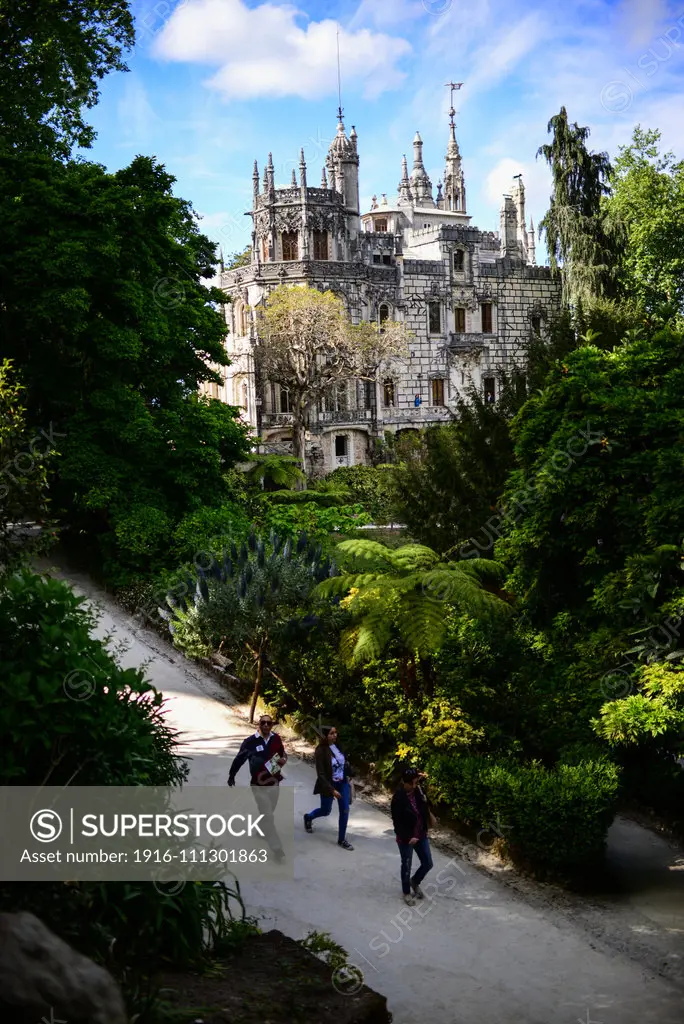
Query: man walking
(411, 817)
(266, 755)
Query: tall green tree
(54, 55)
(104, 309)
(449, 486)
(581, 240)
(647, 196)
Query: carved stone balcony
(276, 419)
(470, 342)
(343, 416)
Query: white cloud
(265, 51)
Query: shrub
(71, 715)
(553, 819)
(370, 486)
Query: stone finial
(302, 169)
(374, 203)
(384, 199)
(324, 179)
(294, 178)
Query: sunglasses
(266, 721)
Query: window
(438, 392)
(285, 400)
(383, 314)
(535, 323)
(264, 250)
(459, 318)
(367, 394)
(434, 318)
(486, 311)
(377, 258)
(459, 256)
(387, 260)
(489, 389)
(290, 245)
(320, 240)
(341, 446)
(388, 393)
(381, 225)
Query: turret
(509, 228)
(343, 167)
(519, 200)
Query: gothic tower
(342, 162)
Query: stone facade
(471, 299)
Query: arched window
(290, 245)
(388, 393)
(383, 313)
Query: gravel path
(490, 947)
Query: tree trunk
(257, 684)
(299, 440)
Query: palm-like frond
(406, 595)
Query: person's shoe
(345, 844)
(307, 823)
(417, 892)
(409, 899)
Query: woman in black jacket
(332, 783)
(411, 817)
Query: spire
(454, 183)
(421, 186)
(531, 249)
(265, 180)
(324, 180)
(405, 195)
(302, 169)
(353, 137)
(270, 173)
(255, 178)
(294, 178)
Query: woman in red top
(411, 818)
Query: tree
(245, 599)
(239, 259)
(450, 486)
(55, 52)
(104, 311)
(580, 238)
(24, 458)
(403, 592)
(647, 196)
(308, 345)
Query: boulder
(44, 981)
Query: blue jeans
(344, 789)
(422, 848)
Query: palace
(470, 298)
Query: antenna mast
(339, 78)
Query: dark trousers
(344, 789)
(267, 800)
(422, 848)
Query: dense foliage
(113, 347)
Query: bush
(555, 820)
(370, 486)
(70, 714)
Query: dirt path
(489, 947)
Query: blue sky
(215, 83)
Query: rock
(42, 979)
